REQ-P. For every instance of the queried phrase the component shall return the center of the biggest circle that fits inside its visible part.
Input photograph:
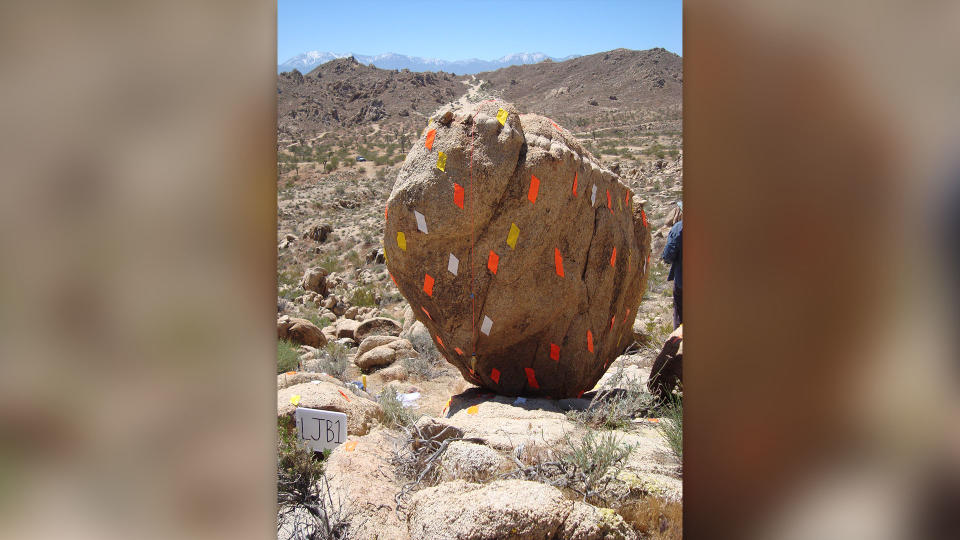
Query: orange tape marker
(534, 188)
(440, 341)
(612, 319)
(350, 446)
(609, 204)
(428, 284)
(458, 351)
(613, 258)
(344, 395)
(558, 261)
(574, 184)
(643, 215)
(531, 378)
(431, 135)
(458, 195)
(555, 352)
(589, 341)
(427, 312)
(495, 375)
(493, 261)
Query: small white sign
(321, 430)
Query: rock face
(512, 244)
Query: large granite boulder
(523, 257)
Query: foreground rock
(300, 331)
(364, 480)
(362, 412)
(507, 509)
(559, 251)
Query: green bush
(672, 427)
(287, 356)
(394, 413)
(363, 297)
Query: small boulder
(378, 326)
(362, 412)
(396, 372)
(376, 357)
(375, 341)
(470, 461)
(351, 313)
(330, 332)
(315, 279)
(300, 331)
(346, 328)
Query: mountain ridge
(309, 60)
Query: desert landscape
(429, 453)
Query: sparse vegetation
(333, 360)
(394, 413)
(306, 505)
(617, 405)
(363, 297)
(672, 424)
(287, 356)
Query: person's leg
(677, 307)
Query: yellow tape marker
(295, 399)
(502, 116)
(402, 241)
(513, 235)
(442, 161)
(473, 410)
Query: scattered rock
(378, 326)
(346, 328)
(346, 342)
(552, 304)
(315, 279)
(396, 372)
(362, 412)
(374, 341)
(351, 313)
(436, 429)
(300, 331)
(375, 357)
(289, 379)
(318, 233)
(330, 332)
(469, 461)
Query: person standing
(673, 255)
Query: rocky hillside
(623, 89)
(617, 88)
(344, 93)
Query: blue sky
(455, 30)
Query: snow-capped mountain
(309, 60)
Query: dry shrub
(654, 518)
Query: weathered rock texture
(522, 251)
